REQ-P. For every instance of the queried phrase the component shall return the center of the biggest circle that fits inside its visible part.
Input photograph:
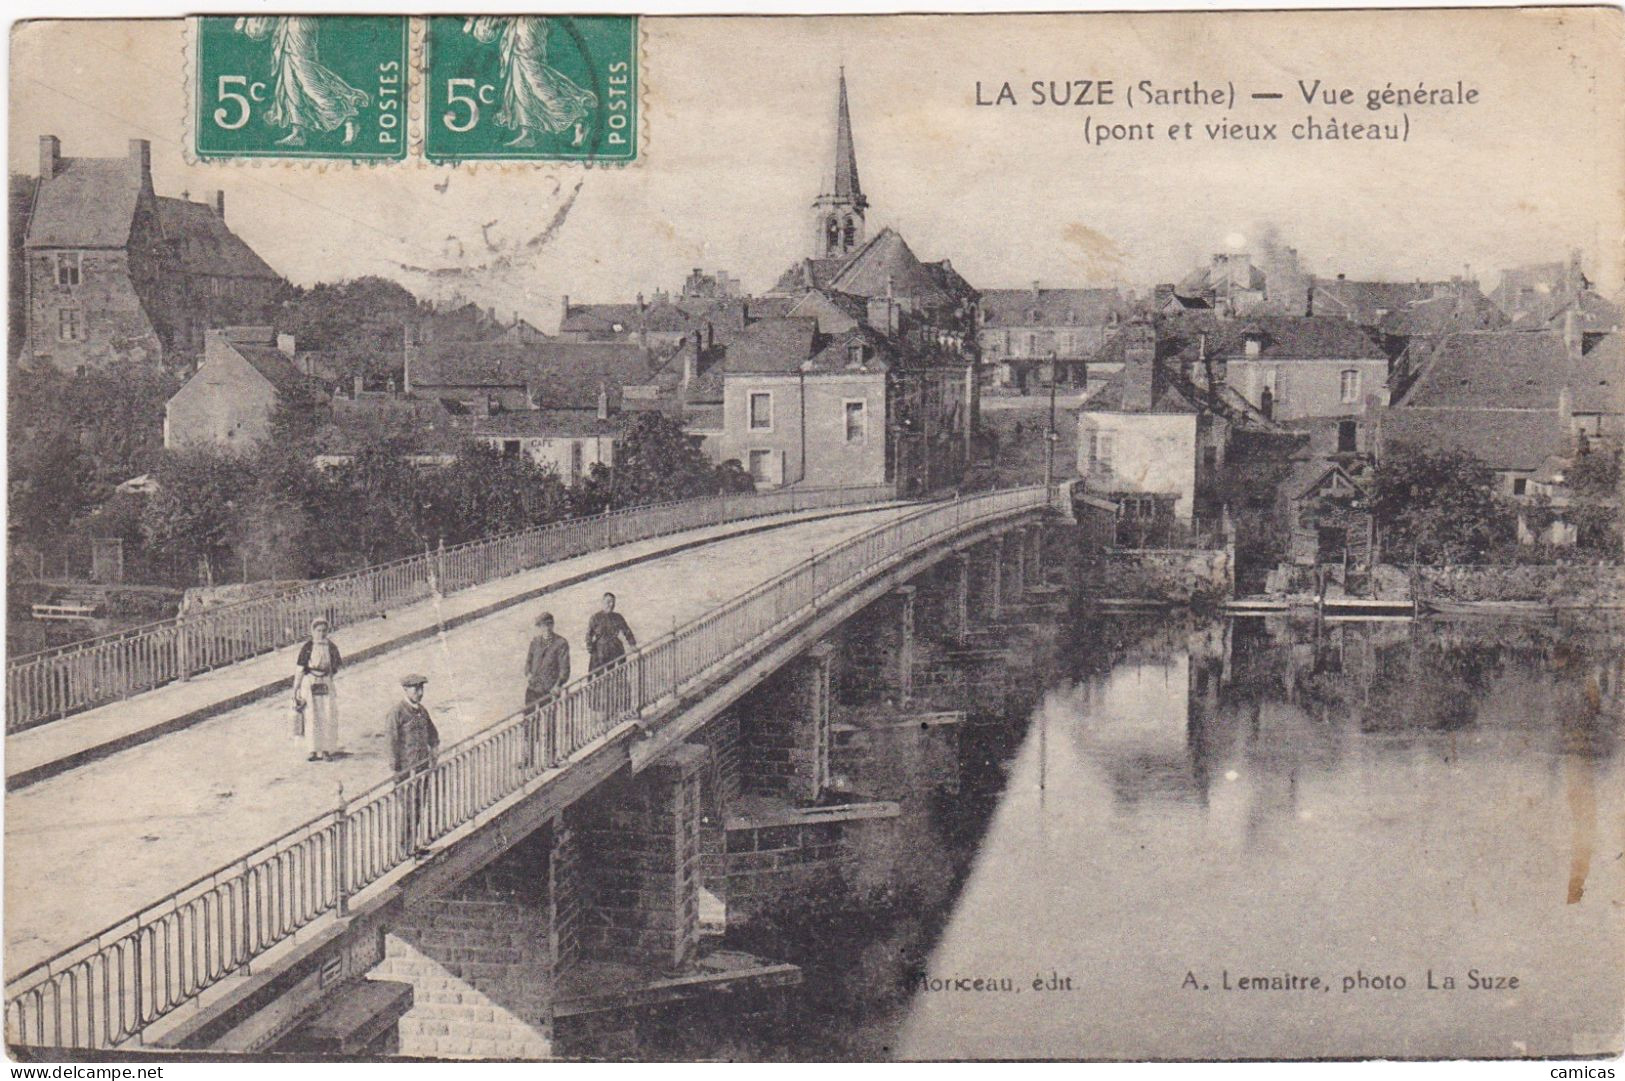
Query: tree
(361, 322)
(1594, 480)
(484, 492)
(655, 461)
(192, 519)
(1438, 506)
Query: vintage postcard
(983, 537)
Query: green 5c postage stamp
(532, 88)
(300, 86)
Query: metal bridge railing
(52, 684)
(109, 988)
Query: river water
(1377, 806)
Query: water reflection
(1260, 797)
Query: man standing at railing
(413, 744)
(547, 670)
(608, 639)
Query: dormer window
(67, 268)
(854, 355)
(1254, 345)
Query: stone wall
(753, 863)
(1177, 575)
(1563, 585)
(480, 962)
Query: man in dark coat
(608, 639)
(547, 666)
(605, 633)
(413, 744)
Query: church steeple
(838, 213)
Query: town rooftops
(1504, 370)
(87, 202)
(558, 374)
(546, 424)
(1051, 307)
(1444, 313)
(1279, 337)
(1512, 440)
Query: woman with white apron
(313, 691)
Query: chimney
(641, 304)
(220, 204)
(1573, 340)
(710, 334)
(1035, 288)
(603, 401)
(50, 156)
(141, 154)
(284, 344)
(691, 362)
(1140, 375)
(744, 313)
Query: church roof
(887, 262)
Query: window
(68, 326)
(857, 423)
(1348, 437)
(1351, 385)
(1520, 486)
(1102, 446)
(760, 465)
(854, 355)
(761, 411)
(510, 448)
(1254, 346)
(67, 268)
(578, 456)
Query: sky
(739, 119)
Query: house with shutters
(116, 272)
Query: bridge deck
(93, 844)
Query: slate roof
(1504, 439)
(1444, 314)
(546, 423)
(567, 375)
(1368, 302)
(1051, 307)
(1595, 315)
(1492, 369)
(89, 203)
(773, 345)
(473, 364)
(1281, 338)
(810, 274)
(834, 351)
(1109, 398)
(1597, 384)
(206, 245)
(274, 365)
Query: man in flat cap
(547, 670)
(413, 744)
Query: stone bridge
(578, 846)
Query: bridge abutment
(783, 743)
(636, 849)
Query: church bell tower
(838, 213)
